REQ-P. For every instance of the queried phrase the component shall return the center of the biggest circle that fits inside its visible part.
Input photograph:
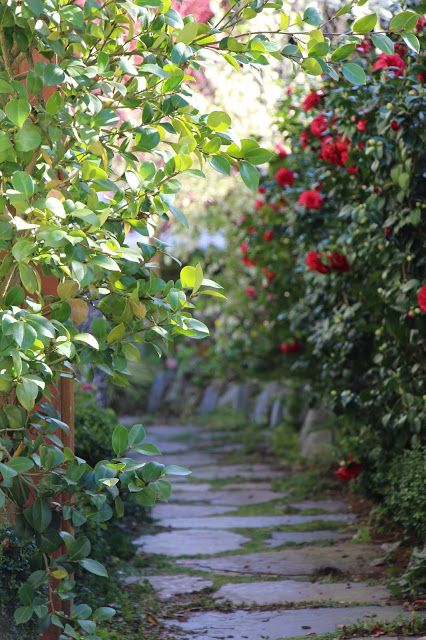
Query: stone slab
(189, 543)
(230, 498)
(343, 557)
(170, 586)
(193, 487)
(277, 625)
(279, 538)
(249, 522)
(233, 470)
(190, 460)
(186, 510)
(286, 592)
(332, 506)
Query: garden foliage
(97, 125)
(333, 259)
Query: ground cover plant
(97, 126)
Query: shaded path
(232, 558)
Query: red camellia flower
(243, 247)
(421, 297)
(400, 49)
(391, 61)
(421, 23)
(247, 261)
(269, 274)
(261, 189)
(284, 177)
(394, 125)
(364, 46)
(421, 77)
(268, 235)
(319, 125)
(251, 292)
(251, 230)
(311, 199)
(361, 145)
(259, 203)
(290, 347)
(361, 125)
(352, 169)
(338, 261)
(304, 139)
(311, 101)
(314, 262)
(335, 151)
(281, 150)
(349, 470)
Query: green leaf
(23, 614)
(383, 42)
(250, 175)
(411, 41)
(28, 278)
(7, 472)
(218, 121)
(78, 549)
(5, 87)
(88, 339)
(120, 440)
(95, 567)
(175, 470)
(2, 499)
(312, 66)
(23, 183)
(354, 73)
(148, 450)
(104, 613)
(18, 111)
(343, 52)
(188, 277)
(137, 435)
(220, 164)
(27, 392)
(345, 9)
(21, 464)
(312, 16)
(35, 6)
(188, 33)
(405, 21)
(22, 249)
(53, 75)
(28, 138)
(365, 24)
(258, 155)
(41, 515)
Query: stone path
(233, 558)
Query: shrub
(406, 496)
(93, 429)
(15, 567)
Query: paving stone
(186, 510)
(170, 586)
(194, 542)
(332, 506)
(344, 557)
(230, 498)
(210, 397)
(194, 488)
(277, 625)
(158, 388)
(189, 460)
(292, 591)
(249, 522)
(279, 538)
(243, 471)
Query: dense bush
(15, 567)
(406, 498)
(93, 429)
(333, 263)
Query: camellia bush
(97, 124)
(334, 263)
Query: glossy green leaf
(354, 73)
